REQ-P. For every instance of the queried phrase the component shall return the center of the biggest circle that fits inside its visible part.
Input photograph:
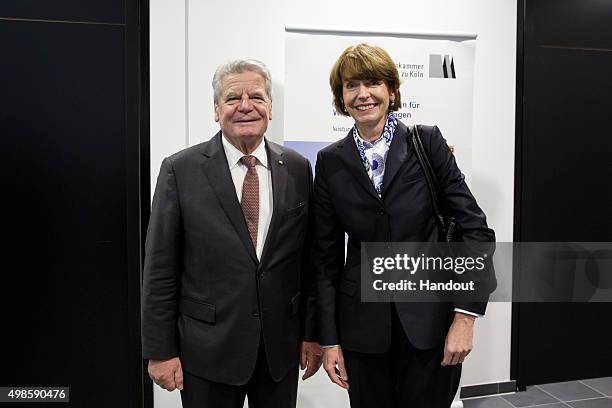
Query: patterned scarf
(374, 155)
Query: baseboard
(481, 390)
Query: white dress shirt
(239, 171)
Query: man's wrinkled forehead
(251, 82)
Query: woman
(370, 186)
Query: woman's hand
(333, 362)
(459, 339)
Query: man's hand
(333, 362)
(168, 374)
(311, 358)
(458, 342)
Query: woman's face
(366, 100)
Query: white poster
(436, 76)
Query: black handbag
(448, 228)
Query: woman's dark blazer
(345, 202)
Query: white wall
(167, 81)
(190, 38)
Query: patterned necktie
(250, 197)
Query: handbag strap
(430, 178)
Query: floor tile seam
(507, 402)
(502, 397)
(526, 406)
(546, 392)
(545, 405)
(589, 399)
(593, 388)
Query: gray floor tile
(486, 402)
(593, 403)
(533, 396)
(603, 385)
(570, 391)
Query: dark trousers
(261, 389)
(402, 377)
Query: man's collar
(234, 155)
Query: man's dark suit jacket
(206, 297)
(345, 202)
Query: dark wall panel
(109, 11)
(563, 342)
(568, 151)
(584, 23)
(564, 160)
(63, 124)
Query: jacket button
(255, 314)
(381, 212)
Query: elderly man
(227, 299)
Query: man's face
(244, 108)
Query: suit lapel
(398, 152)
(216, 169)
(278, 169)
(348, 153)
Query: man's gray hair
(238, 67)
